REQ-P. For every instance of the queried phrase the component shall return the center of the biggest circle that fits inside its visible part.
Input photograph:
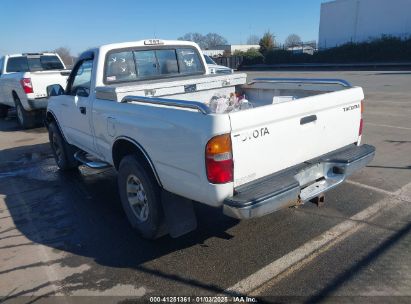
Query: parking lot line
(298, 258)
(387, 126)
(379, 190)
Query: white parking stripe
(312, 247)
(387, 126)
(371, 188)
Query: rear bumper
(37, 103)
(297, 184)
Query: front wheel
(63, 153)
(140, 197)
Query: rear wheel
(26, 119)
(141, 198)
(3, 111)
(63, 152)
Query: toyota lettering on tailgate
(252, 134)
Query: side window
(17, 64)
(120, 67)
(81, 82)
(1, 65)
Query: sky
(40, 25)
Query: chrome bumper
(297, 184)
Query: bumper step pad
(293, 185)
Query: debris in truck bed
(223, 104)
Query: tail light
(219, 159)
(26, 85)
(361, 126)
(361, 119)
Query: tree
(213, 39)
(65, 55)
(251, 56)
(267, 43)
(253, 39)
(209, 41)
(292, 40)
(194, 37)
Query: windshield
(209, 60)
(34, 63)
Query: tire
(141, 198)
(63, 152)
(4, 110)
(26, 119)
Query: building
(344, 21)
(213, 53)
(230, 48)
(306, 49)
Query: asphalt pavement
(64, 236)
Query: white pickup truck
(23, 82)
(142, 107)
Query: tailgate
(42, 79)
(271, 138)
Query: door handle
(83, 110)
(308, 119)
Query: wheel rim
(57, 148)
(19, 114)
(137, 198)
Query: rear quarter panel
(174, 139)
(10, 83)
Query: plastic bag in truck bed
(222, 104)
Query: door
(76, 111)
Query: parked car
(23, 82)
(215, 68)
(142, 108)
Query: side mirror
(55, 90)
(83, 92)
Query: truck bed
(291, 122)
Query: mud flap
(179, 214)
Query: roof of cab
(145, 42)
(32, 53)
(105, 48)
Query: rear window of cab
(140, 64)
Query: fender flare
(143, 152)
(47, 122)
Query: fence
(232, 62)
